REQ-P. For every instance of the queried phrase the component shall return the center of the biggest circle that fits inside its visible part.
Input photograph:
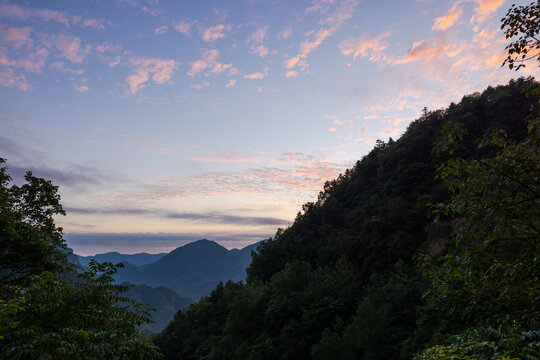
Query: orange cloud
(449, 19)
(372, 48)
(231, 83)
(426, 50)
(160, 69)
(291, 73)
(484, 8)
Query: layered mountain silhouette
(192, 270)
(139, 259)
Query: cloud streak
(210, 218)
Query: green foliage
(8, 310)
(30, 241)
(522, 21)
(487, 344)
(495, 203)
(43, 317)
(84, 320)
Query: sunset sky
(164, 122)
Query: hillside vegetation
(388, 262)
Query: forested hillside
(356, 275)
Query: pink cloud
(183, 27)
(18, 37)
(33, 61)
(231, 83)
(285, 33)
(257, 75)
(448, 19)
(161, 30)
(106, 47)
(212, 34)
(364, 46)
(93, 23)
(60, 67)
(70, 48)
(291, 73)
(257, 39)
(81, 88)
(200, 85)
(161, 71)
(227, 157)
(147, 10)
(8, 78)
(208, 62)
(19, 12)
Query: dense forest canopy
(365, 271)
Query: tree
(86, 320)
(490, 279)
(30, 241)
(43, 317)
(522, 21)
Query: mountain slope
(166, 303)
(342, 281)
(192, 270)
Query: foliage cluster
(43, 316)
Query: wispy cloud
(285, 33)
(149, 11)
(161, 71)
(214, 33)
(25, 13)
(209, 217)
(70, 48)
(448, 19)
(257, 75)
(161, 30)
(365, 46)
(257, 40)
(227, 157)
(8, 78)
(18, 37)
(208, 64)
(329, 25)
(485, 8)
(183, 27)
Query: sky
(163, 122)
